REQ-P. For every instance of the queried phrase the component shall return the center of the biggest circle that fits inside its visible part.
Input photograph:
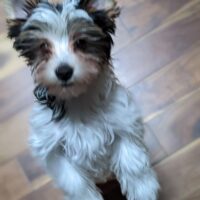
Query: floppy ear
(20, 9)
(108, 6)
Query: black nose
(64, 72)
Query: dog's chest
(85, 137)
(87, 141)
(89, 145)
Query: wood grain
(16, 94)
(140, 17)
(31, 167)
(9, 66)
(180, 175)
(2, 21)
(170, 83)
(13, 136)
(47, 192)
(179, 124)
(156, 151)
(135, 62)
(13, 183)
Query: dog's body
(85, 127)
(100, 135)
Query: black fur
(59, 7)
(108, 26)
(103, 21)
(83, 4)
(14, 27)
(28, 47)
(57, 107)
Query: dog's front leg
(130, 163)
(72, 180)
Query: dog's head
(66, 44)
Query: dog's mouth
(66, 85)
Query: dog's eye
(80, 44)
(44, 46)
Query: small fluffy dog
(85, 127)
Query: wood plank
(194, 195)
(15, 81)
(140, 17)
(16, 94)
(2, 19)
(31, 167)
(135, 62)
(170, 83)
(47, 192)
(13, 135)
(13, 63)
(156, 151)
(179, 174)
(128, 3)
(13, 183)
(121, 37)
(178, 125)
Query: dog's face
(66, 44)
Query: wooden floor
(157, 56)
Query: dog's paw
(146, 189)
(143, 195)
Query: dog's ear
(20, 9)
(17, 13)
(103, 12)
(108, 6)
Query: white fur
(101, 135)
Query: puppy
(85, 128)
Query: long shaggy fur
(85, 129)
